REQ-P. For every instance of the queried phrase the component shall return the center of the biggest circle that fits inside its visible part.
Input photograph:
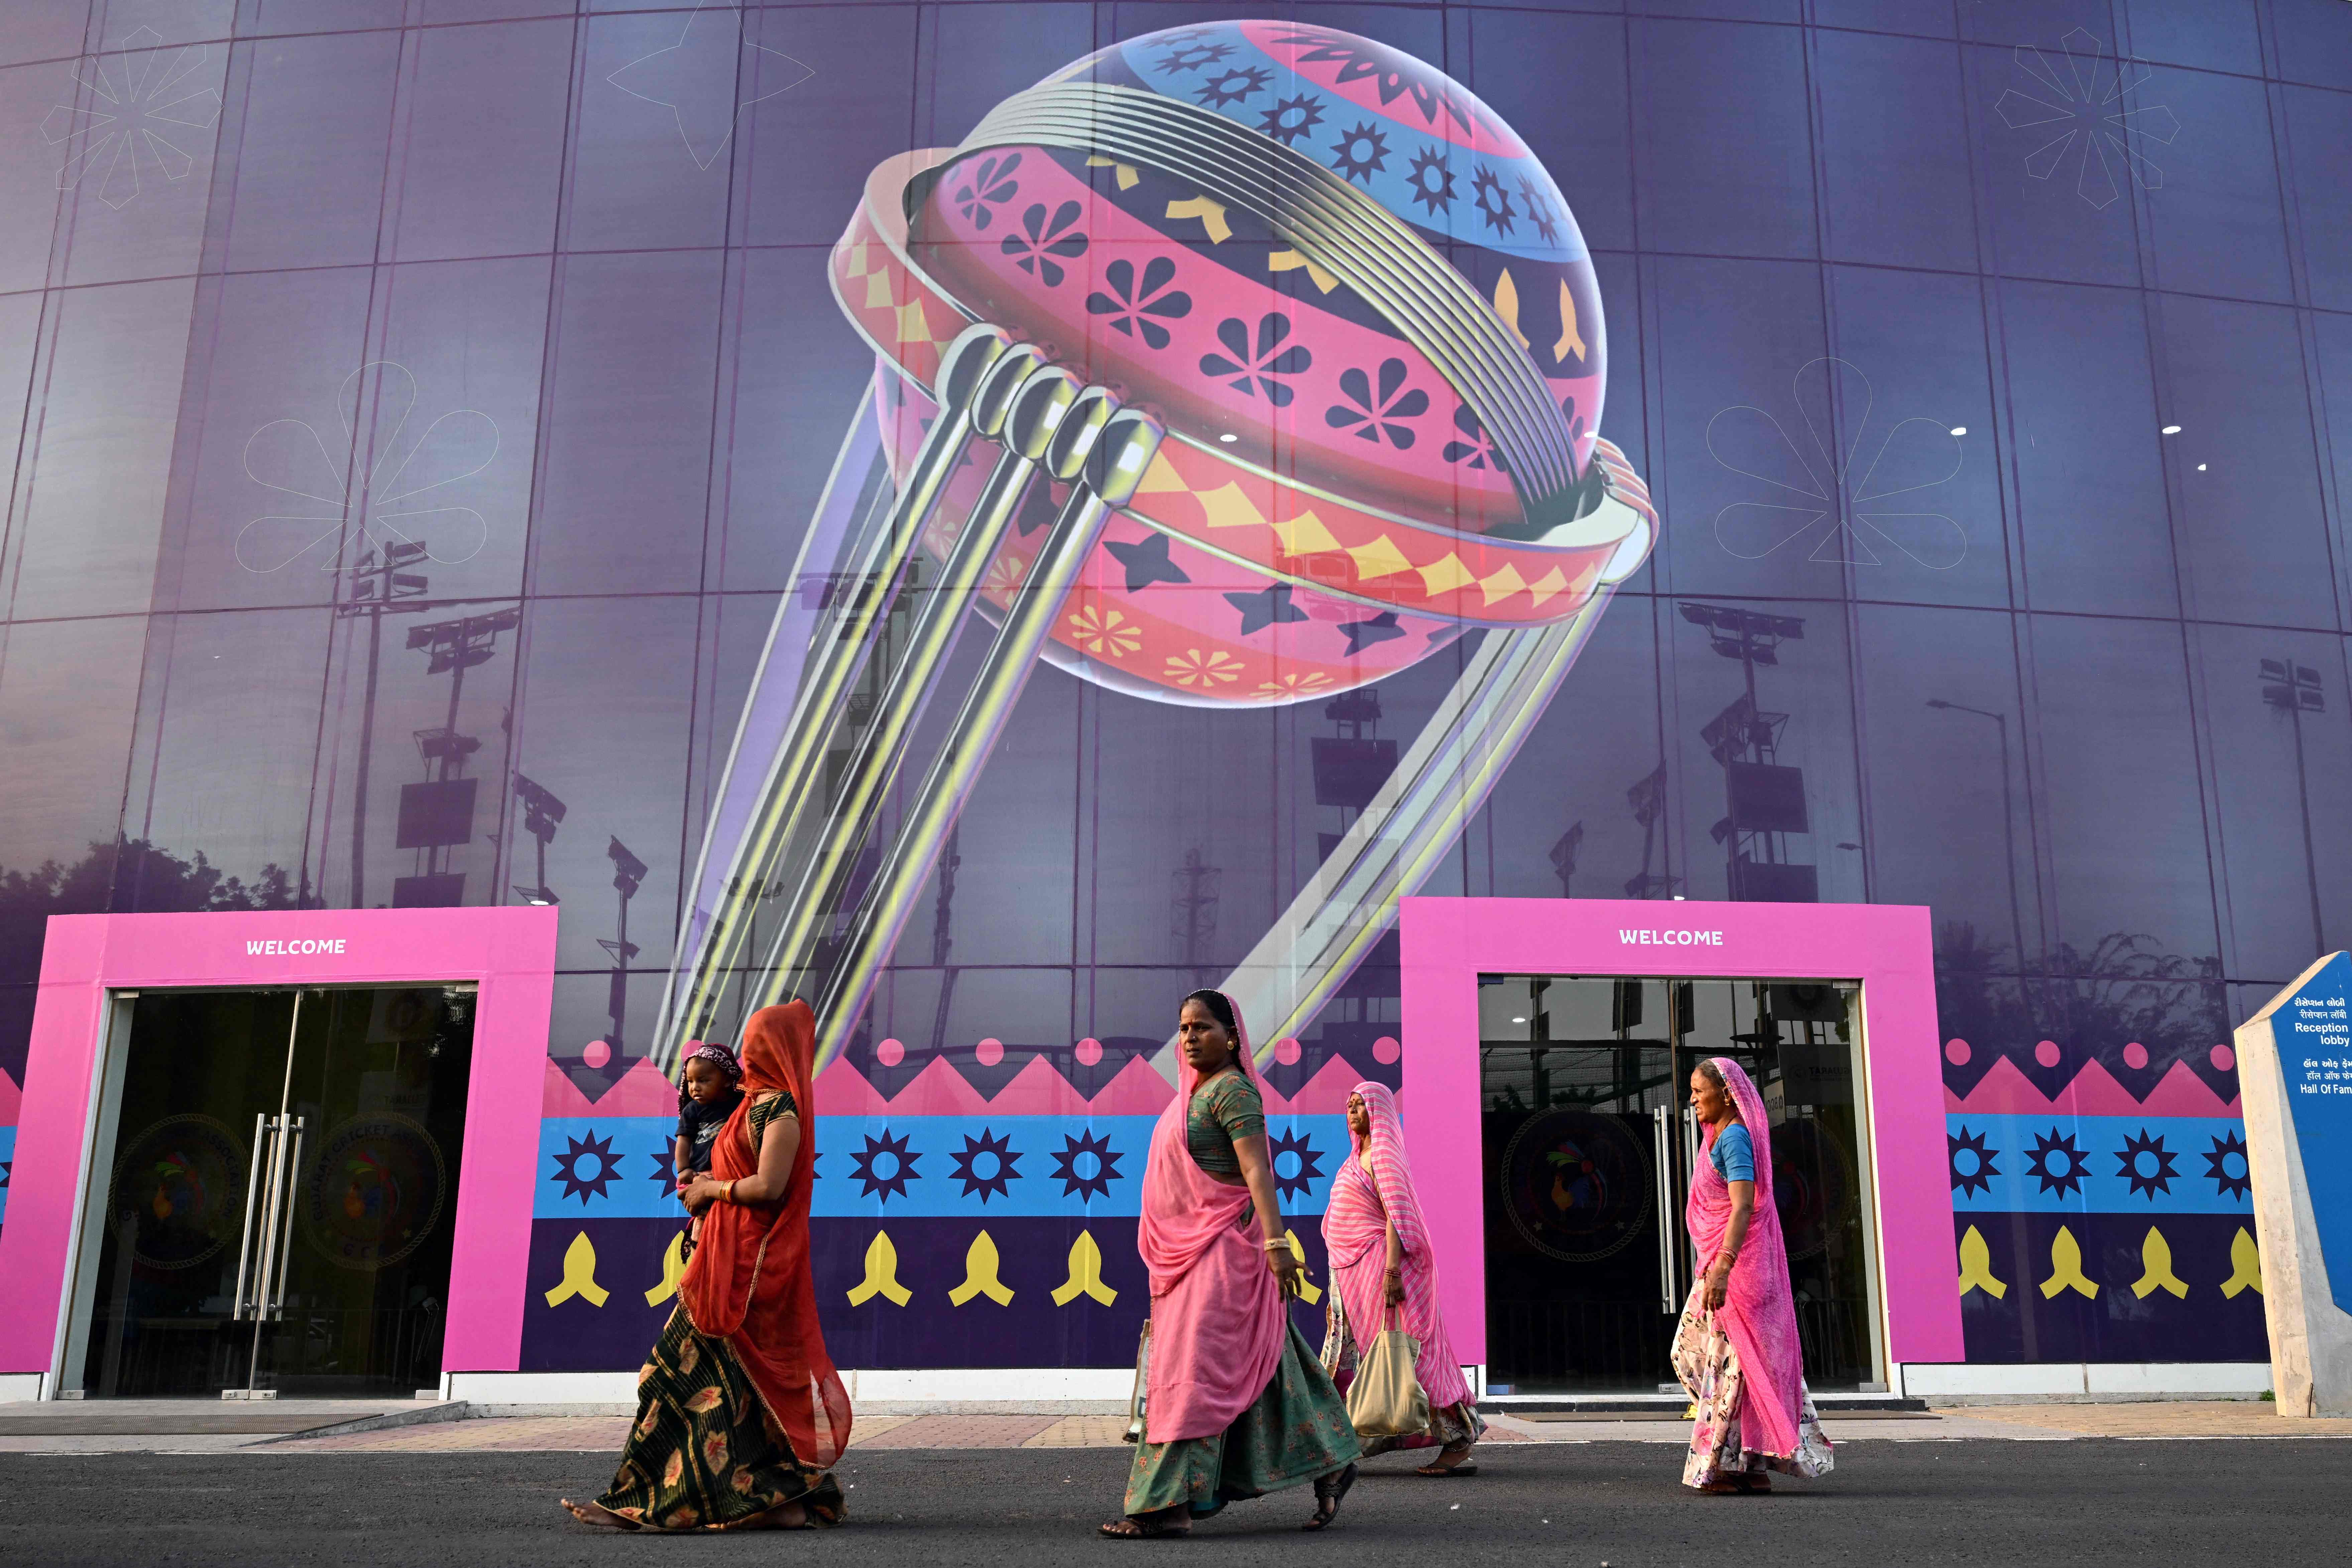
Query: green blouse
(1226, 1108)
(755, 1126)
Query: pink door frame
(507, 953)
(1444, 945)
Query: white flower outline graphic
(667, 78)
(1826, 483)
(145, 92)
(303, 466)
(2090, 101)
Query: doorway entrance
(273, 1191)
(1587, 1147)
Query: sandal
(1330, 1490)
(1462, 1465)
(1148, 1526)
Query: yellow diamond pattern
(1548, 585)
(1380, 558)
(1161, 478)
(877, 291)
(1304, 535)
(1502, 584)
(1227, 507)
(1445, 576)
(912, 327)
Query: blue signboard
(2312, 1029)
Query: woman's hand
(1718, 1281)
(1396, 1288)
(702, 1195)
(1285, 1265)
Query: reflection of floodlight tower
(628, 871)
(1351, 767)
(380, 587)
(1766, 800)
(2293, 689)
(1195, 925)
(438, 813)
(541, 814)
(1648, 799)
(2008, 818)
(1563, 856)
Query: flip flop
(1438, 1472)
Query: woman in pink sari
(1382, 1275)
(1235, 1406)
(1736, 1348)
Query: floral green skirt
(705, 1454)
(1296, 1430)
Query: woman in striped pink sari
(1382, 1275)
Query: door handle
(1662, 1153)
(263, 1137)
(276, 1307)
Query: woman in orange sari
(738, 1409)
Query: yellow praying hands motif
(2245, 1267)
(2156, 1269)
(979, 1266)
(673, 1270)
(1975, 1267)
(2066, 1268)
(1308, 1293)
(1507, 305)
(881, 1275)
(1210, 213)
(1571, 340)
(579, 1275)
(1085, 1274)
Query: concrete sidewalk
(606, 1433)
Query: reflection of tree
(2125, 988)
(128, 874)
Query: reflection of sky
(668, 407)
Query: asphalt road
(2081, 1504)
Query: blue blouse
(1734, 1154)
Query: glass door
(1588, 1150)
(278, 1192)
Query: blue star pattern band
(946, 1167)
(2098, 1165)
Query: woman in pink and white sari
(1735, 1349)
(1383, 1274)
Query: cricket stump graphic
(1233, 365)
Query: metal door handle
(1661, 1149)
(252, 1203)
(285, 1201)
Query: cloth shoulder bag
(1386, 1399)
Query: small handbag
(1134, 1433)
(1386, 1400)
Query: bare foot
(597, 1514)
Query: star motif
(1362, 151)
(2057, 1163)
(862, 1166)
(966, 1167)
(1361, 634)
(2217, 1165)
(696, 77)
(664, 1176)
(1300, 1183)
(2159, 1180)
(1086, 1184)
(1261, 610)
(1432, 183)
(1146, 563)
(1977, 1178)
(1290, 119)
(1494, 203)
(567, 1166)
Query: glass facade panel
(443, 441)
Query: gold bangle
(730, 1189)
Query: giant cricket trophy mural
(1233, 365)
